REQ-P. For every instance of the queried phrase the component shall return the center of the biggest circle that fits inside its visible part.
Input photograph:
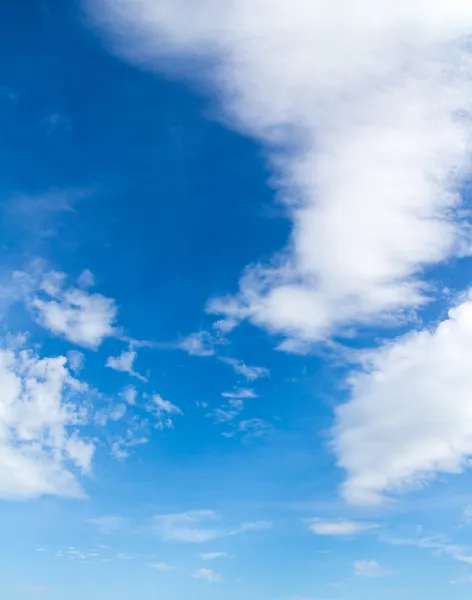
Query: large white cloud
(40, 412)
(409, 416)
(364, 108)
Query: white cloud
(339, 528)
(241, 393)
(207, 574)
(40, 411)
(250, 373)
(86, 279)
(82, 318)
(114, 412)
(409, 415)
(120, 448)
(200, 343)
(187, 527)
(212, 555)
(200, 526)
(163, 410)
(369, 569)
(109, 524)
(76, 361)
(124, 362)
(130, 394)
(364, 110)
(438, 545)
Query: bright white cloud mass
(41, 448)
(410, 415)
(364, 109)
(81, 317)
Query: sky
(235, 299)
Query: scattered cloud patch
(240, 393)
(212, 555)
(207, 575)
(130, 394)
(250, 373)
(340, 528)
(163, 410)
(369, 569)
(76, 361)
(201, 343)
(200, 526)
(124, 363)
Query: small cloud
(188, 527)
(129, 394)
(240, 393)
(120, 448)
(339, 528)
(109, 524)
(201, 343)
(76, 361)
(163, 409)
(212, 555)
(250, 373)
(254, 427)
(207, 575)
(124, 363)
(369, 569)
(86, 279)
(56, 123)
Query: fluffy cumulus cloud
(81, 317)
(41, 409)
(364, 109)
(409, 416)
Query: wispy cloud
(200, 526)
(163, 410)
(212, 555)
(241, 393)
(369, 569)
(340, 527)
(124, 362)
(250, 373)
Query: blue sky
(235, 304)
